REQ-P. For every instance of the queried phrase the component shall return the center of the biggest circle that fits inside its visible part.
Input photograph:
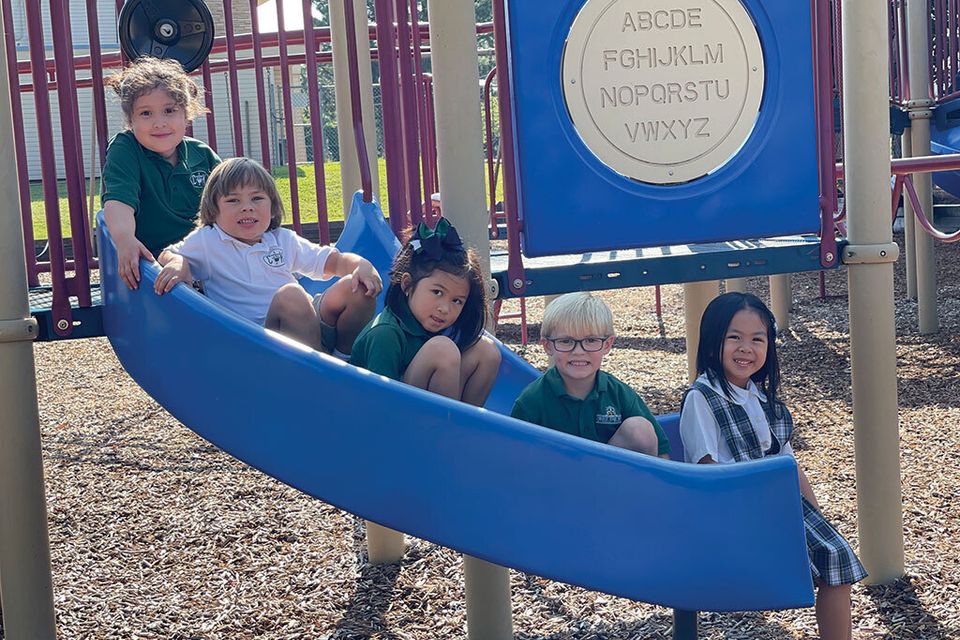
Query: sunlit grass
(306, 196)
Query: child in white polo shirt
(247, 261)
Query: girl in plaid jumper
(731, 413)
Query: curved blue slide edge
(701, 537)
(945, 140)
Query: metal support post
(489, 615)
(918, 56)
(456, 79)
(384, 546)
(872, 334)
(736, 284)
(685, 625)
(696, 297)
(925, 257)
(349, 165)
(781, 299)
(26, 589)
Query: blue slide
(692, 537)
(945, 140)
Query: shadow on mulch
(902, 612)
(731, 626)
(658, 626)
(364, 615)
(824, 377)
(114, 447)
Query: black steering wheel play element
(181, 30)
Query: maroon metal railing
(20, 148)
(356, 106)
(390, 105)
(823, 95)
(903, 171)
(410, 145)
(316, 137)
(286, 89)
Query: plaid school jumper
(832, 560)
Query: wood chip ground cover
(157, 534)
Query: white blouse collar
(740, 396)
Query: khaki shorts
(328, 334)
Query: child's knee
(486, 353)
(291, 300)
(341, 296)
(442, 352)
(637, 434)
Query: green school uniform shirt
(388, 344)
(165, 197)
(597, 417)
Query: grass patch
(306, 196)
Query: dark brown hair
(463, 264)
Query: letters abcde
(663, 91)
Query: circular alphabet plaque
(663, 91)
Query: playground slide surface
(945, 140)
(696, 537)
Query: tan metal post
(384, 546)
(870, 278)
(26, 589)
(349, 167)
(918, 21)
(781, 299)
(456, 88)
(736, 284)
(924, 251)
(456, 82)
(696, 297)
(489, 615)
(909, 227)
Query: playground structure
(867, 241)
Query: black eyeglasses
(563, 345)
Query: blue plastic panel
(572, 203)
(945, 140)
(470, 479)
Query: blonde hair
(232, 174)
(581, 314)
(147, 74)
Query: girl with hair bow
(430, 333)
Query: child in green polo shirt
(574, 395)
(154, 174)
(430, 332)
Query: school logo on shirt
(612, 416)
(198, 178)
(274, 258)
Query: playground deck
(183, 541)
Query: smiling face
(744, 347)
(578, 368)
(244, 213)
(158, 123)
(436, 300)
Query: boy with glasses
(574, 395)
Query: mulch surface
(157, 534)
